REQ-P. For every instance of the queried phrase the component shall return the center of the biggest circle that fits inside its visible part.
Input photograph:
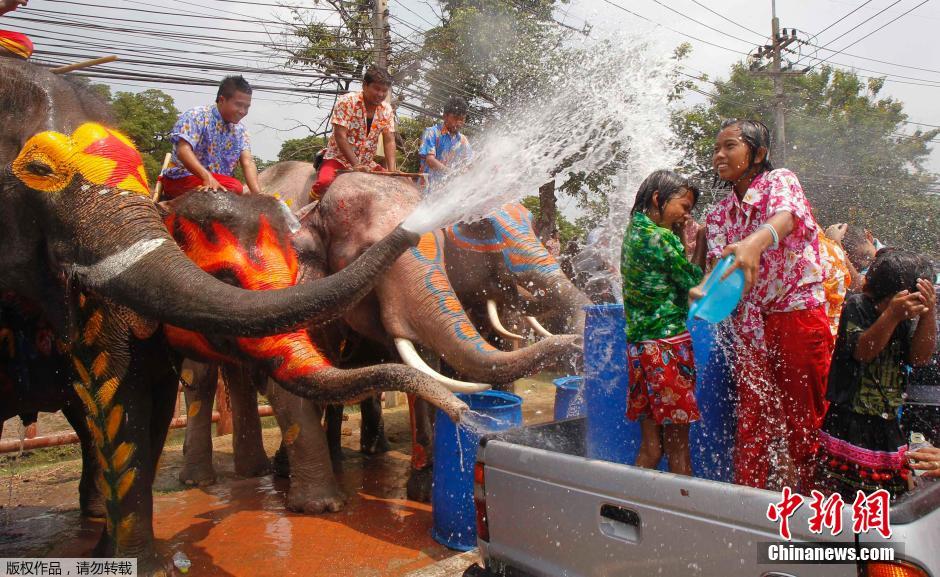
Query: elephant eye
(38, 168)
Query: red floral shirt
(791, 276)
(350, 111)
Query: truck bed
(553, 512)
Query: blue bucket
(711, 439)
(721, 296)
(610, 436)
(452, 495)
(569, 402)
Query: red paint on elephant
(269, 263)
(128, 163)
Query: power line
(725, 18)
(844, 17)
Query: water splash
(612, 101)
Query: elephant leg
(372, 439)
(333, 417)
(313, 487)
(247, 444)
(281, 462)
(90, 499)
(422, 439)
(197, 445)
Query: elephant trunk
(419, 304)
(554, 294)
(147, 272)
(333, 385)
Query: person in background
(443, 146)
(860, 247)
(837, 272)
(209, 141)
(14, 44)
(887, 327)
(359, 119)
(780, 333)
(657, 278)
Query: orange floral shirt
(836, 279)
(350, 112)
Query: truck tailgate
(556, 514)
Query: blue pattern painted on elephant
(514, 237)
(429, 254)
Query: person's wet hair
(669, 184)
(895, 270)
(456, 106)
(376, 74)
(755, 135)
(854, 237)
(232, 84)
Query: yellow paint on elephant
(82, 371)
(49, 161)
(93, 327)
(114, 422)
(125, 483)
(194, 409)
(122, 455)
(103, 486)
(125, 530)
(95, 431)
(90, 406)
(291, 434)
(107, 390)
(100, 364)
(102, 462)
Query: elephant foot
(376, 445)
(197, 474)
(280, 464)
(314, 500)
(255, 467)
(149, 562)
(418, 487)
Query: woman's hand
(928, 295)
(926, 460)
(747, 258)
(837, 232)
(696, 292)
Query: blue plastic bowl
(721, 296)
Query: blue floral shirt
(448, 148)
(217, 143)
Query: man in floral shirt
(359, 118)
(209, 141)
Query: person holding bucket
(657, 278)
(780, 333)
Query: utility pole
(381, 33)
(774, 52)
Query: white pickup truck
(545, 510)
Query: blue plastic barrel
(569, 402)
(610, 436)
(711, 439)
(454, 456)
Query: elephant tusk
(537, 326)
(497, 324)
(409, 354)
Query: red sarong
(327, 174)
(16, 43)
(173, 187)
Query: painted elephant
(499, 263)
(248, 241)
(80, 238)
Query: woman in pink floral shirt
(780, 331)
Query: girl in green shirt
(657, 278)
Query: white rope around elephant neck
(112, 266)
(409, 355)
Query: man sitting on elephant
(14, 44)
(443, 146)
(209, 141)
(358, 120)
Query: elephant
(413, 302)
(82, 241)
(499, 263)
(248, 241)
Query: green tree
(147, 118)
(845, 142)
(301, 148)
(567, 230)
